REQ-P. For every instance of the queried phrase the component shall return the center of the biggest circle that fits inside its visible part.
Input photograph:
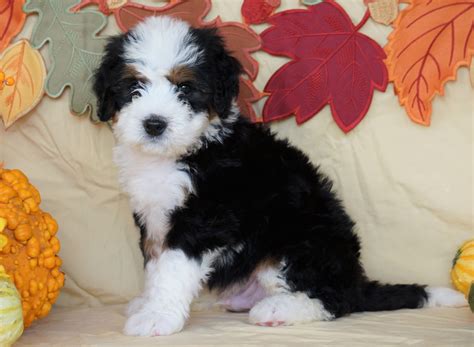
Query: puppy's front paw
(147, 322)
(134, 305)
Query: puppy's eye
(184, 88)
(135, 94)
(134, 90)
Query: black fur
(264, 194)
(113, 84)
(218, 69)
(109, 85)
(259, 198)
(143, 237)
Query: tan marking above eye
(132, 73)
(181, 74)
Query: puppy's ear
(221, 69)
(106, 78)
(227, 81)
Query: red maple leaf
(258, 11)
(331, 63)
(239, 39)
(248, 94)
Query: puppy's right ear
(106, 78)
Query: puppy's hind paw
(288, 309)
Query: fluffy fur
(222, 202)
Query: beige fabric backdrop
(409, 187)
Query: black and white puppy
(222, 202)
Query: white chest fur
(155, 185)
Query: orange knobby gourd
(462, 272)
(28, 245)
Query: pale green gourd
(11, 316)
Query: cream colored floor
(102, 327)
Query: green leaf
(74, 49)
(456, 257)
(471, 296)
(311, 2)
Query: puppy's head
(167, 85)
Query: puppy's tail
(380, 297)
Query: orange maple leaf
(12, 19)
(431, 40)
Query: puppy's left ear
(106, 79)
(228, 70)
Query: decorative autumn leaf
(471, 72)
(383, 11)
(22, 74)
(241, 42)
(240, 39)
(74, 49)
(258, 11)
(247, 95)
(413, 2)
(107, 7)
(431, 40)
(192, 11)
(331, 63)
(311, 2)
(12, 19)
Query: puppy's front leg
(171, 283)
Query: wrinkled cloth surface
(102, 326)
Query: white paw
(134, 305)
(147, 322)
(287, 309)
(444, 297)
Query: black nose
(154, 125)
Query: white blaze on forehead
(160, 44)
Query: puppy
(222, 202)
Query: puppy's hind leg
(282, 306)
(288, 309)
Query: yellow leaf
(383, 11)
(22, 75)
(113, 4)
